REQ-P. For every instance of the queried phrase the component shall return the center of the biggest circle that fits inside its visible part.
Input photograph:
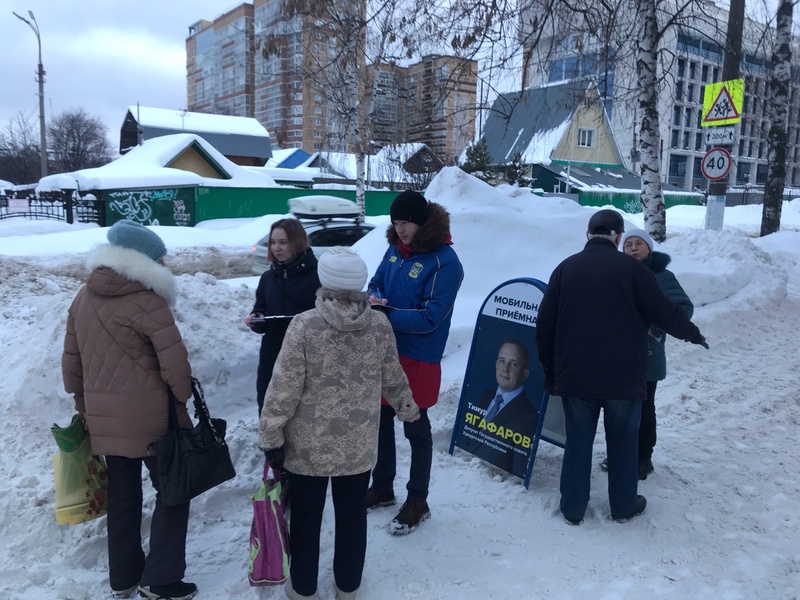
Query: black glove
(275, 457)
(697, 338)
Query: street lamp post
(42, 134)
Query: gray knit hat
(342, 269)
(136, 236)
(639, 233)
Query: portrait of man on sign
(501, 423)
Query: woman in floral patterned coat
(321, 414)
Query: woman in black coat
(286, 289)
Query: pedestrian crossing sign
(722, 103)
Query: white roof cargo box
(322, 207)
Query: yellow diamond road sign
(722, 103)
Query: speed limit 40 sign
(716, 164)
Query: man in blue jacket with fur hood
(418, 278)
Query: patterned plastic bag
(269, 535)
(81, 478)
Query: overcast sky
(101, 55)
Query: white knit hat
(342, 269)
(639, 233)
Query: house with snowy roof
(176, 179)
(395, 166)
(242, 140)
(180, 180)
(562, 134)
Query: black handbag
(191, 461)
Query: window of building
(704, 74)
(317, 97)
(697, 172)
(317, 134)
(677, 165)
(676, 115)
(761, 174)
(750, 148)
(686, 135)
(679, 90)
(676, 134)
(687, 120)
(741, 147)
(743, 172)
(698, 141)
(317, 122)
(681, 67)
(317, 110)
(692, 70)
(585, 138)
(761, 150)
(690, 93)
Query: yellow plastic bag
(81, 479)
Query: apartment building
(693, 58)
(258, 61)
(220, 65)
(431, 101)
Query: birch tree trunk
(652, 196)
(779, 109)
(360, 202)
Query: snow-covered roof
(278, 173)
(145, 167)
(531, 122)
(178, 120)
(386, 165)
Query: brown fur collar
(430, 235)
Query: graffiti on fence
(171, 206)
(180, 215)
(132, 205)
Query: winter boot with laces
(173, 591)
(377, 498)
(411, 514)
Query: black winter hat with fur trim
(409, 206)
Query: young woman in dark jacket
(638, 244)
(285, 290)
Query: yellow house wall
(190, 160)
(588, 117)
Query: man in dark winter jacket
(591, 332)
(418, 278)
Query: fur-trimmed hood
(657, 261)
(435, 231)
(116, 271)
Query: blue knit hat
(136, 236)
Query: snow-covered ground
(723, 516)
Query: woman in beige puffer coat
(122, 352)
(321, 415)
